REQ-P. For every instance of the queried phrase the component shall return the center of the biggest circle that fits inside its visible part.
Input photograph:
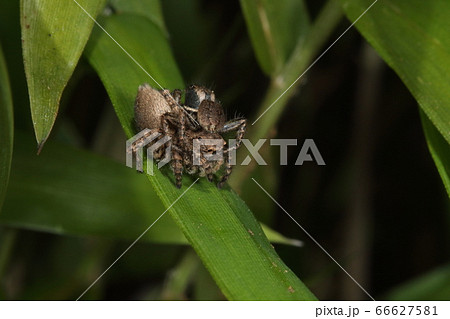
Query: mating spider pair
(200, 118)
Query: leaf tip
(296, 242)
(40, 146)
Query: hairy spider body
(155, 110)
(211, 119)
(150, 105)
(207, 166)
(210, 114)
(200, 118)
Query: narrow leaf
(61, 200)
(147, 8)
(431, 286)
(412, 37)
(124, 74)
(71, 191)
(275, 28)
(218, 225)
(6, 128)
(439, 149)
(54, 34)
(276, 237)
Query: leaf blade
(431, 286)
(216, 223)
(97, 202)
(52, 188)
(149, 8)
(439, 149)
(416, 47)
(275, 28)
(54, 34)
(6, 128)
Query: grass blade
(412, 37)
(54, 34)
(217, 224)
(431, 286)
(283, 86)
(60, 200)
(148, 8)
(275, 28)
(439, 149)
(6, 128)
(96, 203)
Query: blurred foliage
(267, 23)
(6, 128)
(431, 286)
(71, 211)
(417, 48)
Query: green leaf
(177, 282)
(71, 191)
(283, 86)
(431, 286)
(439, 149)
(275, 28)
(147, 8)
(276, 237)
(218, 224)
(412, 37)
(61, 200)
(6, 128)
(124, 74)
(54, 34)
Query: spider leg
(177, 95)
(190, 109)
(177, 167)
(192, 118)
(208, 170)
(182, 128)
(173, 99)
(138, 145)
(228, 170)
(177, 161)
(238, 125)
(177, 151)
(177, 119)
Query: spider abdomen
(150, 105)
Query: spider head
(196, 94)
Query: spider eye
(192, 98)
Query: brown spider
(211, 119)
(201, 118)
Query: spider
(211, 119)
(200, 118)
